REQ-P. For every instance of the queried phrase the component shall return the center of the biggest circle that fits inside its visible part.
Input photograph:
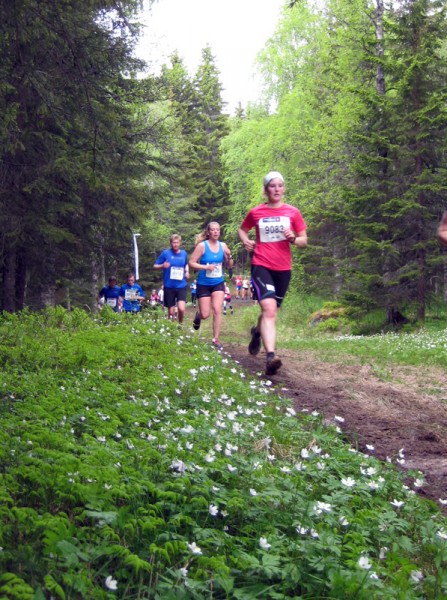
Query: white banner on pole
(135, 250)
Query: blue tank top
(211, 258)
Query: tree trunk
(378, 23)
(20, 281)
(96, 272)
(9, 280)
(396, 318)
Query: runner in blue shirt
(110, 293)
(208, 258)
(174, 262)
(131, 295)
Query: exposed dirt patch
(405, 412)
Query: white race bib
(176, 273)
(216, 272)
(271, 229)
(111, 302)
(131, 295)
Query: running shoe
(273, 365)
(217, 344)
(196, 322)
(255, 343)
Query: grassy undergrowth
(137, 462)
(420, 346)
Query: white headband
(272, 175)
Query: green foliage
(357, 131)
(329, 324)
(154, 467)
(13, 587)
(200, 194)
(83, 141)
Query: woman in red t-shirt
(278, 227)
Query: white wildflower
(263, 543)
(416, 576)
(364, 563)
(369, 471)
(322, 507)
(178, 466)
(187, 429)
(111, 584)
(194, 548)
(397, 503)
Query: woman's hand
(249, 244)
(289, 235)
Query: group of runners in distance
(278, 226)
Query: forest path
(408, 411)
(392, 409)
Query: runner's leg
(180, 310)
(267, 323)
(217, 303)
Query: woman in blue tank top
(208, 258)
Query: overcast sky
(236, 30)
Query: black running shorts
(205, 291)
(270, 284)
(172, 295)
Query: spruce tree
(212, 127)
(75, 148)
(401, 183)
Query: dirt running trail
(407, 411)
